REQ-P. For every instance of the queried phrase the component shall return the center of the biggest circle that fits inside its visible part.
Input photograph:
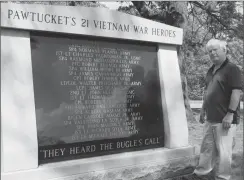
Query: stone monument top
(88, 21)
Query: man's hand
(227, 120)
(202, 116)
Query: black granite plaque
(95, 96)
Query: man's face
(217, 54)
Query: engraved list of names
(97, 76)
(95, 92)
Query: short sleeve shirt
(219, 86)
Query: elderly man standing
(221, 110)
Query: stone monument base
(154, 164)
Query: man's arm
(204, 98)
(234, 81)
(234, 102)
(235, 99)
(203, 110)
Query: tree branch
(167, 16)
(204, 37)
(210, 12)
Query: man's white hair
(217, 42)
